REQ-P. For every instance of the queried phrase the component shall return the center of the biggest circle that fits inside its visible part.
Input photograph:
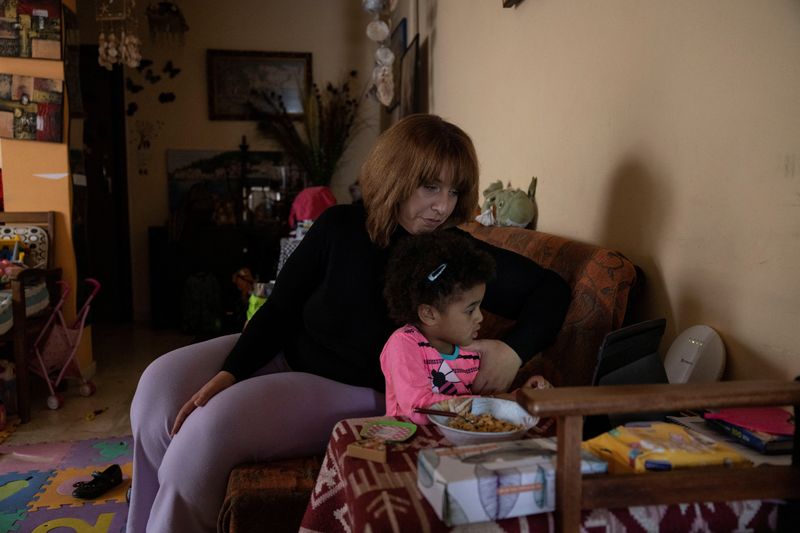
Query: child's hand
(538, 382)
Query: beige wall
(668, 130)
(332, 30)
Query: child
(434, 285)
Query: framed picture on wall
(30, 28)
(409, 98)
(235, 76)
(31, 108)
(397, 44)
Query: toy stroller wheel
(55, 401)
(87, 389)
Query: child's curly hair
(411, 276)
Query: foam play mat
(36, 483)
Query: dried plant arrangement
(317, 140)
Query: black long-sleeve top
(327, 313)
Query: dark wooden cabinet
(217, 251)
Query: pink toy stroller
(57, 343)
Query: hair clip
(433, 276)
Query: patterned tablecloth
(354, 495)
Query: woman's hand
(499, 366)
(215, 385)
(537, 382)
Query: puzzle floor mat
(36, 482)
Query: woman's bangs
(462, 174)
(445, 162)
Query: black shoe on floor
(101, 483)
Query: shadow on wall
(356, 20)
(748, 360)
(638, 207)
(749, 363)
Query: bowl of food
(482, 420)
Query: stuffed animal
(508, 207)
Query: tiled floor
(121, 352)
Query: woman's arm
(499, 365)
(535, 297)
(272, 325)
(214, 386)
(279, 317)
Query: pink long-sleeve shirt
(417, 375)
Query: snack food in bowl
(504, 415)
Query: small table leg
(568, 473)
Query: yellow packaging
(647, 446)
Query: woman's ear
(428, 314)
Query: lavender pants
(179, 483)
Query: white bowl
(501, 409)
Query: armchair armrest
(616, 399)
(573, 493)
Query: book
(766, 443)
(698, 424)
(774, 420)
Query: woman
(310, 355)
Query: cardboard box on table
(486, 482)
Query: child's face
(459, 322)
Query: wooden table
(356, 495)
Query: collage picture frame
(31, 108)
(30, 28)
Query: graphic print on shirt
(443, 380)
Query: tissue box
(487, 482)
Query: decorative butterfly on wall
(152, 78)
(132, 87)
(170, 69)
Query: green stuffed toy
(508, 207)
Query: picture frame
(30, 29)
(397, 44)
(234, 75)
(409, 96)
(31, 108)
